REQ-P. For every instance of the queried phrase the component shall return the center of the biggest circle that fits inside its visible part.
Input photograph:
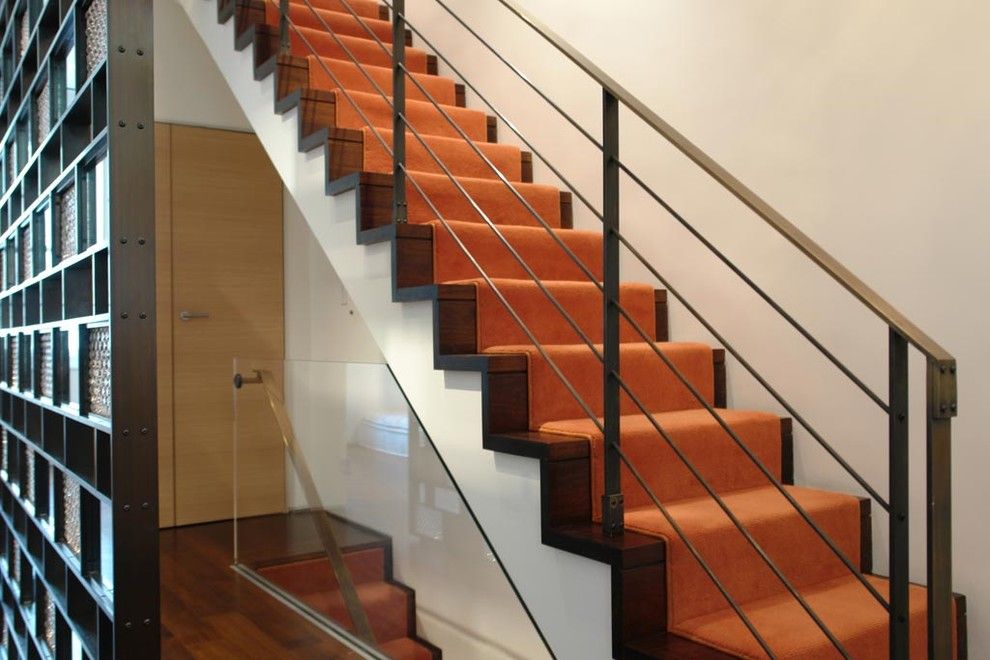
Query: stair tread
(350, 75)
(655, 385)
(699, 437)
(845, 606)
(367, 9)
(459, 157)
(307, 40)
(774, 524)
(427, 119)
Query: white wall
(188, 86)
(865, 122)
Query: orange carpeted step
(647, 376)
(456, 154)
(341, 22)
(581, 300)
(363, 8)
(843, 604)
(351, 77)
(312, 575)
(777, 527)
(311, 41)
(492, 196)
(421, 114)
(544, 256)
(405, 649)
(386, 605)
(699, 437)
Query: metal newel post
(399, 206)
(612, 505)
(942, 408)
(899, 496)
(283, 27)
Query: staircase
(664, 603)
(310, 581)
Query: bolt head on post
(613, 514)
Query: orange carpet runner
(695, 609)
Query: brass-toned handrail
(265, 378)
(857, 287)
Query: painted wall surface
(862, 121)
(189, 88)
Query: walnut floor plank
(209, 611)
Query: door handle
(189, 316)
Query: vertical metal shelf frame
(130, 78)
(78, 477)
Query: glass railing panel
(363, 479)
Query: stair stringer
(568, 596)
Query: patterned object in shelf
(14, 567)
(48, 623)
(11, 164)
(99, 371)
(25, 34)
(3, 447)
(27, 488)
(96, 34)
(47, 362)
(27, 254)
(15, 361)
(68, 223)
(71, 526)
(43, 107)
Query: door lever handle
(189, 316)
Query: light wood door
(226, 272)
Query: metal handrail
(321, 519)
(941, 391)
(880, 307)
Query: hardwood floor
(209, 611)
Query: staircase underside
(662, 605)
